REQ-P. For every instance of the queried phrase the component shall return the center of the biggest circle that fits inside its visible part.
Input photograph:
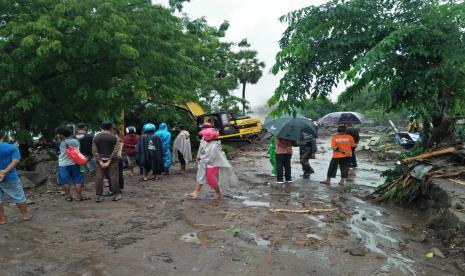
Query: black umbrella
(295, 129)
(345, 117)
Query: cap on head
(65, 131)
(341, 129)
(107, 125)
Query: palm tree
(249, 68)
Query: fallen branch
(304, 211)
(430, 154)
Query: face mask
(79, 136)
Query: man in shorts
(69, 173)
(9, 180)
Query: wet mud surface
(156, 230)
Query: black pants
(181, 159)
(353, 159)
(304, 161)
(283, 167)
(342, 163)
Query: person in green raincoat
(272, 154)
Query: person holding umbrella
(342, 144)
(283, 160)
(354, 133)
(288, 131)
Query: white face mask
(79, 136)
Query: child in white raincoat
(211, 159)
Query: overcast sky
(256, 20)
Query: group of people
(103, 154)
(343, 145)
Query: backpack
(75, 155)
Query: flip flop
(191, 197)
(69, 198)
(324, 182)
(28, 218)
(82, 198)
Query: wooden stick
(303, 211)
(430, 154)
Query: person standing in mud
(182, 148)
(105, 150)
(85, 142)
(342, 144)
(9, 179)
(213, 158)
(354, 133)
(69, 173)
(283, 160)
(165, 137)
(272, 155)
(150, 153)
(307, 150)
(131, 139)
(201, 178)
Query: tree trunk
(443, 126)
(243, 98)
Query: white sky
(256, 20)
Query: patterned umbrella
(295, 129)
(345, 117)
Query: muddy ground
(155, 230)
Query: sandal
(69, 198)
(27, 218)
(325, 182)
(82, 198)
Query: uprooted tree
(411, 51)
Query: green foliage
(228, 149)
(86, 61)
(408, 51)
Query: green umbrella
(290, 128)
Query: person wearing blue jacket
(165, 137)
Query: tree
(249, 68)
(73, 60)
(409, 50)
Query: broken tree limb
(430, 154)
(304, 211)
(393, 126)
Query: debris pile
(412, 178)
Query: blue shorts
(14, 190)
(70, 175)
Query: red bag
(75, 155)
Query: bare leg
(79, 190)
(67, 190)
(2, 215)
(24, 212)
(217, 193)
(195, 193)
(341, 183)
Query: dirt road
(155, 230)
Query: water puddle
(252, 203)
(191, 237)
(376, 237)
(259, 240)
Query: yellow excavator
(230, 127)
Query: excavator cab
(228, 126)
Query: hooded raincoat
(182, 143)
(150, 153)
(165, 137)
(212, 156)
